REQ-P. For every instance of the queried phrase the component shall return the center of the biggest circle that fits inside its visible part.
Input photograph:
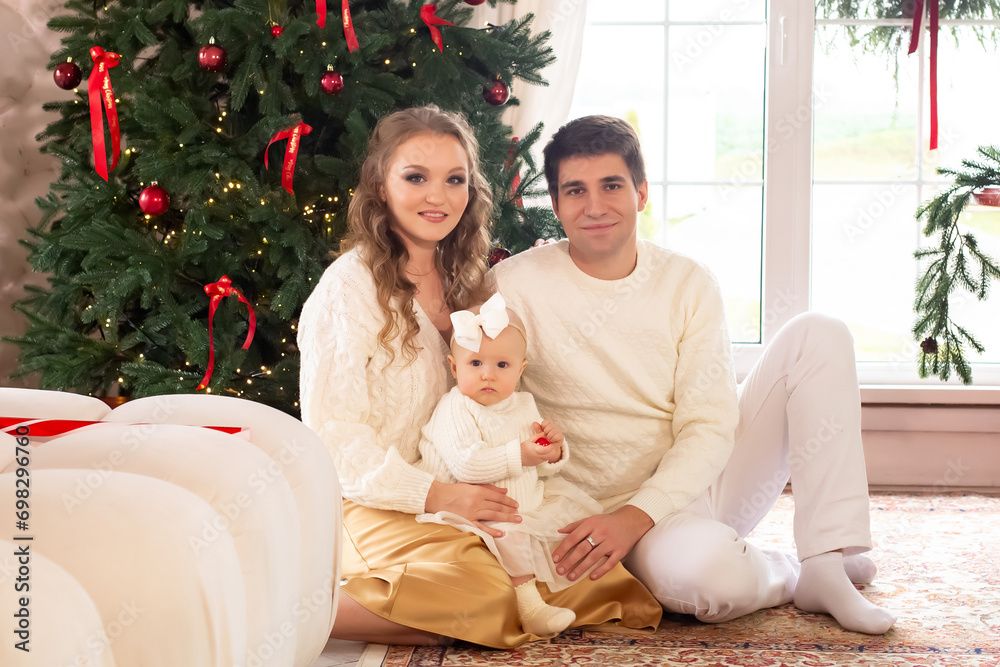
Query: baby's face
(490, 375)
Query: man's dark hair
(592, 136)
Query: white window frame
(788, 202)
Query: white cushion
(17, 402)
(299, 455)
(161, 604)
(257, 510)
(64, 625)
(39, 403)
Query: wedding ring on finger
(593, 544)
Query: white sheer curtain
(547, 104)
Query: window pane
(717, 10)
(863, 268)
(615, 11)
(714, 134)
(629, 86)
(721, 227)
(865, 114)
(650, 223)
(715, 108)
(967, 102)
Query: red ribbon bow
(217, 292)
(321, 13)
(432, 21)
(99, 90)
(918, 13)
(294, 135)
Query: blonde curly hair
(461, 256)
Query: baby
(485, 432)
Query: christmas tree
(197, 91)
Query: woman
(373, 338)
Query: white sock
(537, 617)
(860, 569)
(823, 587)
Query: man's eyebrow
(615, 178)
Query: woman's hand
(476, 502)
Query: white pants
(800, 417)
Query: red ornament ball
(544, 442)
(212, 58)
(474, 3)
(498, 255)
(276, 31)
(496, 94)
(154, 200)
(331, 82)
(67, 75)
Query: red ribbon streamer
(294, 135)
(918, 13)
(516, 182)
(352, 39)
(99, 91)
(48, 428)
(321, 13)
(217, 292)
(432, 21)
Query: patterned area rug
(939, 561)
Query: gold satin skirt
(443, 580)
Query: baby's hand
(552, 452)
(533, 453)
(549, 431)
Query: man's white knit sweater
(367, 409)
(636, 372)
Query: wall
(25, 84)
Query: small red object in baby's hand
(543, 441)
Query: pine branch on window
(956, 263)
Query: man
(629, 354)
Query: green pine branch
(957, 262)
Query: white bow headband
(491, 320)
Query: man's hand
(613, 534)
(476, 502)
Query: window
(791, 161)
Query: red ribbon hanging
(217, 292)
(293, 134)
(101, 95)
(516, 182)
(352, 39)
(432, 21)
(918, 13)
